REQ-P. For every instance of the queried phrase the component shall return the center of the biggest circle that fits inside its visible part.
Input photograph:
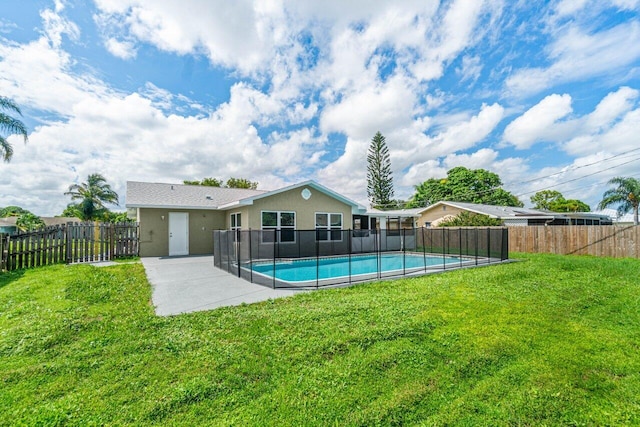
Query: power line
(578, 167)
(571, 190)
(581, 177)
(616, 156)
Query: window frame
(278, 227)
(233, 221)
(329, 228)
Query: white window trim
(236, 227)
(279, 226)
(328, 227)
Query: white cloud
(381, 107)
(6, 26)
(612, 123)
(236, 34)
(620, 137)
(570, 7)
(577, 55)
(55, 26)
(302, 70)
(448, 38)
(459, 135)
(611, 108)
(538, 123)
(464, 135)
(412, 150)
(470, 69)
(121, 49)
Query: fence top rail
(271, 230)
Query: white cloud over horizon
(308, 87)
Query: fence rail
(598, 240)
(313, 258)
(69, 243)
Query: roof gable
(355, 206)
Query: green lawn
(551, 340)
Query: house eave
(202, 208)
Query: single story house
(178, 219)
(626, 219)
(510, 216)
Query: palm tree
(626, 195)
(92, 196)
(9, 125)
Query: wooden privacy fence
(70, 243)
(599, 240)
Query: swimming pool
(357, 266)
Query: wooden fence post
(112, 238)
(4, 251)
(69, 242)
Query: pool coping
(276, 283)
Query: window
(393, 226)
(328, 226)
(283, 223)
(236, 221)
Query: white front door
(178, 233)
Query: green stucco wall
(292, 201)
(154, 230)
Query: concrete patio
(192, 283)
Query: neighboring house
(510, 216)
(626, 219)
(390, 220)
(178, 219)
(8, 225)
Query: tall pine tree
(379, 175)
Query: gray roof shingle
(501, 211)
(158, 195)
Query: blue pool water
(329, 268)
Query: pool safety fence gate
(288, 258)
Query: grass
(552, 340)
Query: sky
(543, 93)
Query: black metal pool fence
(309, 258)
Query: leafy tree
(379, 175)
(10, 126)
(92, 196)
(191, 182)
(28, 222)
(71, 211)
(116, 217)
(12, 211)
(569, 205)
(470, 219)
(207, 182)
(464, 185)
(241, 183)
(544, 199)
(554, 201)
(231, 183)
(626, 195)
